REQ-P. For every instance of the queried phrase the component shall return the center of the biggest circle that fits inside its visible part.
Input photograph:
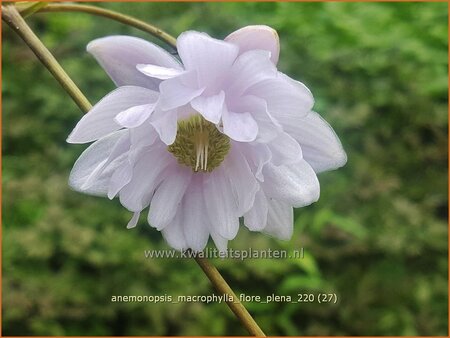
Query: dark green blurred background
(377, 237)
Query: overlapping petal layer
(275, 147)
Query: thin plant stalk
(13, 18)
(107, 13)
(234, 304)
(26, 8)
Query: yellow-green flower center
(199, 144)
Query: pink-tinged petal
(210, 58)
(94, 175)
(257, 155)
(210, 107)
(134, 220)
(173, 233)
(220, 203)
(121, 177)
(249, 69)
(133, 117)
(285, 97)
(90, 166)
(268, 127)
(295, 184)
(321, 147)
(121, 147)
(165, 124)
(220, 242)
(143, 136)
(99, 121)
(280, 220)
(257, 37)
(119, 55)
(185, 112)
(240, 127)
(178, 91)
(137, 194)
(196, 223)
(101, 185)
(242, 180)
(285, 149)
(168, 196)
(158, 72)
(256, 218)
(118, 153)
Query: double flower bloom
(219, 136)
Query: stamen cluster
(199, 144)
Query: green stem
(13, 18)
(235, 305)
(27, 8)
(125, 19)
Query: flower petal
(249, 69)
(285, 149)
(173, 233)
(256, 218)
(220, 203)
(196, 224)
(99, 121)
(320, 144)
(134, 220)
(118, 154)
(119, 55)
(133, 117)
(280, 220)
(211, 58)
(165, 124)
(241, 127)
(143, 135)
(242, 180)
(121, 177)
(92, 162)
(210, 107)
(157, 72)
(178, 91)
(168, 196)
(220, 242)
(137, 194)
(257, 37)
(268, 127)
(257, 156)
(285, 97)
(295, 184)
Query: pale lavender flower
(220, 136)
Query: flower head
(202, 142)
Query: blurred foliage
(377, 237)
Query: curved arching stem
(125, 19)
(12, 17)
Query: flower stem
(235, 305)
(125, 19)
(13, 18)
(26, 8)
